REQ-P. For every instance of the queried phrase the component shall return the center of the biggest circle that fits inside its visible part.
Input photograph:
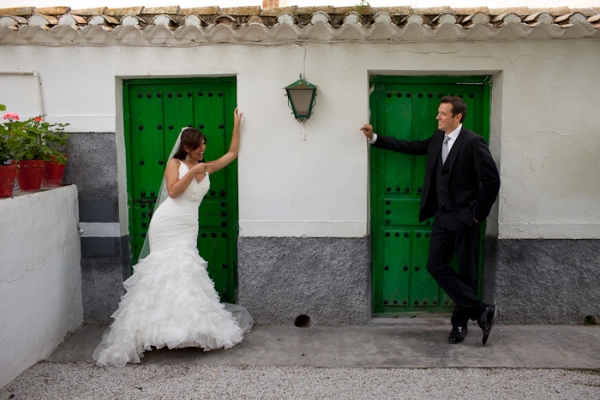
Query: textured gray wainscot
(327, 279)
(543, 281)
(92, 166)
(101, 287)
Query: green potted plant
(9, 144)
(55, 138)
(39, 143)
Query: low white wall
(40, 276)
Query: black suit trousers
(449, 235)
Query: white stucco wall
(544, 134)
(40, 277)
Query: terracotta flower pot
(30, 175)
(53, 174)
(8, 174)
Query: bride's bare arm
(176, 186)
(234, 147)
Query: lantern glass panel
(301, 99)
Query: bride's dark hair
(191, 138)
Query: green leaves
(32, 139)
(9, 141)
(360, 7)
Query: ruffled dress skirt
(170, 299)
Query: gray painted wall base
(327, 279)
(101, 288)
(92, 166)
(102, 283)
(543, 281)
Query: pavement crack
(516, 355)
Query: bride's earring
(187, 158)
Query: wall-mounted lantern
(301, 98)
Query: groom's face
(446, 121)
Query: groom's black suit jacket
(473, 179)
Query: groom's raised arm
(416, 147)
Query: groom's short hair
(458, 106)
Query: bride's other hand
(237, 117)
(201, 169)
(176, 186)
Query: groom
(461, 185)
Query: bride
(170, 299)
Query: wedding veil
(163, 193)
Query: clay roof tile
(277, 11)
(364, 17)
(52, 10)
(244, 11)
(433, 10)
(406, 10)
(17, 11)
(312, 10)
(212, 10)
(160, 10)
(510, 10)
(122, 11)
(88, 12)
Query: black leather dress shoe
(486, 322)
(458, 334)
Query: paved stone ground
(407, 343)
(389, 360)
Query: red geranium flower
(38, 119)
(11, 116)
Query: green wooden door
(155, 110)
(406, 108)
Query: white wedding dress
(170, 299)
